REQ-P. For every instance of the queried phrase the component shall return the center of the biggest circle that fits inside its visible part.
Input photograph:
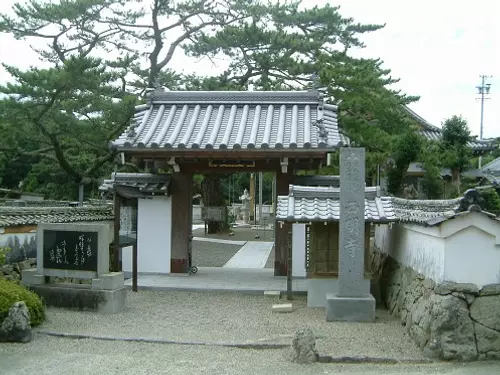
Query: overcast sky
(438, 48)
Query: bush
(491, 201)
(3, 255)
(11, 293)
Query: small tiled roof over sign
(225, 120)
(20, 216)
(314, 203)
(433, 133)
(137, 185)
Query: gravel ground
(210, 254)
(235, 318)
(240, 234)
(46, 355)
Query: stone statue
(245, 200)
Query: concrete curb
(373, 360)
(254, 346)
(74, 336)
(209, 290)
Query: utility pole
(483, 91)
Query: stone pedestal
(350, 309)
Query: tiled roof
(143, 183)
(424, 211)
(433, 133)
(308, 204)
(493, 167)
(45, 203)
(225, 120)
(15, 216)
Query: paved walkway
(252, 255)
(220, 279)
(217, 240)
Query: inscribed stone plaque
(70, 250)
(352, 222)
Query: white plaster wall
(472, 253)
(154, 230)
(299, 250)
(413, 246)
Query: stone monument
(245, 200)
(353, 301)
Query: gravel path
(235, 318)
(240, 234)
(211, 254)
(49, 356)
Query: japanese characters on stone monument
(353, 301)
(352, 222)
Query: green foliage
(407, 148)
(3, 254)
(491, 201)
(65, 115)
(455, 135)
(68, 115)
(454, 151)
(432, 183)
(11, 293)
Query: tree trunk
(211, 191)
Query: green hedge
(11, 292)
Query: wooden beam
(134, 267)
(228, 154)
(116, 233)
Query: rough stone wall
(13, 271)
(448, 321)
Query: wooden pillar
(281, 237)
(116, 233)
(182, 212)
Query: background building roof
(433, 133)
(18, 216)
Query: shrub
(3, 255)
(11, 293)
(491, 201)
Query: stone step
(282, 308)
(272, 294)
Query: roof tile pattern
(424, 211)
(222, 120)
(144, 182)
(308, 204)
(17, 216)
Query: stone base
(30, 277)
(82, 297)
(317, 289)
(109, 281)
(350, 309)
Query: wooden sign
(70, 250)
(232, 163)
